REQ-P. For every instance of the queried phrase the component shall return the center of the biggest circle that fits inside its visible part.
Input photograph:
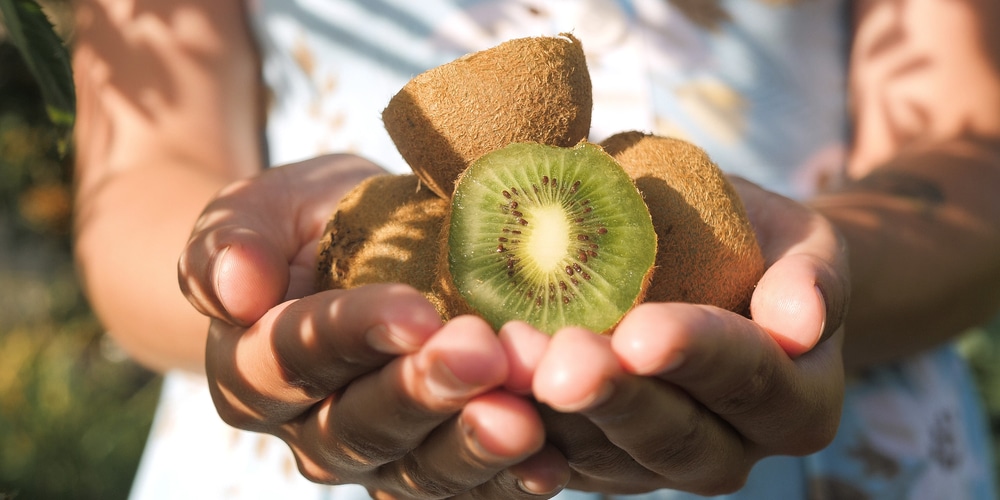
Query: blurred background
(74, 411)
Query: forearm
(167, 113)
(923, 233)
(130, 232)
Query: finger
(576, 371)
(471, 452)
(258, 232)
(524, 346)
(381, 417)
(789, 303)
(304, 350)
(660, 427)
(590, 455)
(732, 367)
(541, 475)
(808, 274)
(217, 269)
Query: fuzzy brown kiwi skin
(707, 249)
(452, 302)
(534, 89)
(383, 231)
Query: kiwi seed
(549, 235)
(524, 90)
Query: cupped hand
(366, 386)
(690, 396)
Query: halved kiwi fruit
(549, 235)
(533, 89)
(708, 251)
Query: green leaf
(46, 57)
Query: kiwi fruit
(554, 236)
(708, 252)
(512, 215)
(383, 231)
(535, 89)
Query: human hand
(688, 396)
(366, 386)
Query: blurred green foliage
(74, 412)
(982, 348)
(30, 30)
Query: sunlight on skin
(525, 347)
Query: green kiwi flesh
(553, 236)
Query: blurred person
(879, 117)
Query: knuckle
(718, 475)
(681, 449)
(748, 393)
(233, 417)
(504, 485)
(683, 452)
(724, 484)
(697, 460)
(609, 464)
(356, 453)
(419, 482)
(815, 433)
(236, 415)
(316, 475)
(313, 472)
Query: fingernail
(822, 300)
(443, 383)
(592, 400)
(473, 443)
(220, 265)
(536, 487)
(382, 338)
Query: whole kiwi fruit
(534, 89)
(383, 231)
(707, 249)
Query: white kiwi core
(548, 242)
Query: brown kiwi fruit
(708, 251)
(383, 231)
(549, 235)
(524, 90)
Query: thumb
(233, 274)
(249, 277)
(236, 265)
(800, 301)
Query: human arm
(920, 212)
(168, 114)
